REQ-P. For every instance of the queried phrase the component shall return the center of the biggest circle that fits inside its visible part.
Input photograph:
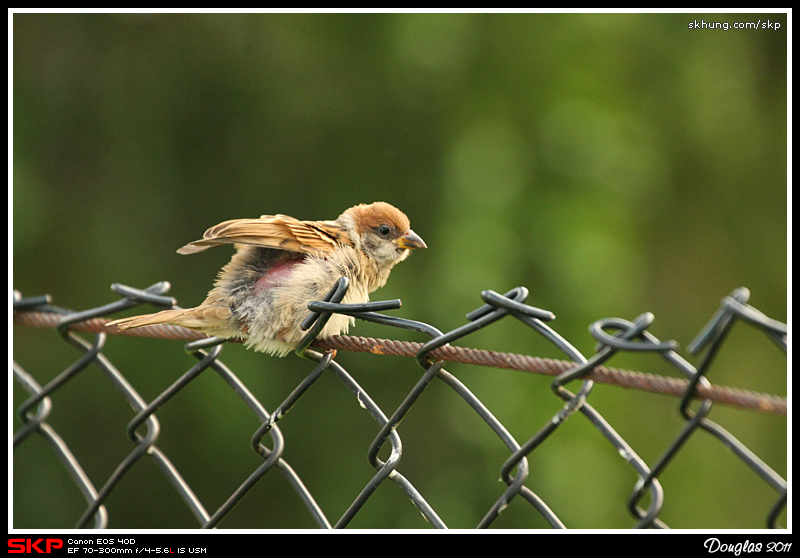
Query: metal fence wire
(613, 335)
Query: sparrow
(281, 264)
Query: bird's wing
(273, 231)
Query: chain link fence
(613, 335)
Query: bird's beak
(410, 241)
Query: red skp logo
(28, 546)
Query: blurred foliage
(613, 164)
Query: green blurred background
(612, 164)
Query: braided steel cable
(629, 379)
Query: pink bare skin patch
(277, 273)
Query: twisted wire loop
(612, 334)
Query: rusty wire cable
(652, 383)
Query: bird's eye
(384, 230)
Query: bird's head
(382, 232)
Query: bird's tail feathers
(202, 318)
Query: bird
(281, 264)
